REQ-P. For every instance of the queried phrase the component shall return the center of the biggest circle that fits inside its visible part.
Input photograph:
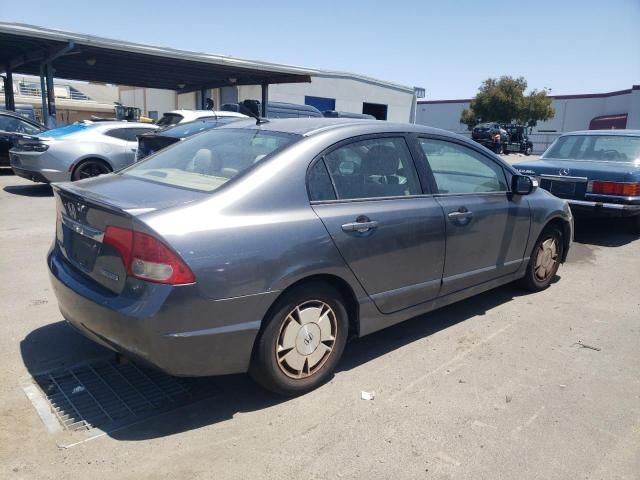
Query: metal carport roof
(24, 47)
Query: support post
(264, 100)
(9, 98)
(43, 95)
(203, 99)
(51, 97)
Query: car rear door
(390, 232)
(487, 227)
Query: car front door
(390, 233)
(487, 227)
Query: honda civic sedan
(265, 246)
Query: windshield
(169, 119)
(609, 148)
(209, 160)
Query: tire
(90, 168)
(634, 224)
(287, 357)
(545, 260)
(528, 151)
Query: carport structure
(32, 50)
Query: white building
(327, 91)
(620, 109)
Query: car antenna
(259, 120)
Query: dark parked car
(263, 248)
(597, 171)
(490, 135)
(152, 142)
(12, 127)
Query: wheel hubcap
(306, 339)
(546, 258)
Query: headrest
(381, 160)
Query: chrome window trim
(561, 178)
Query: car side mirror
(522, 184)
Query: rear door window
(376, 167)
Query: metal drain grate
(108, 395)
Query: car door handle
(461, 216)
(360, 227)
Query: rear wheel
(545, 260)
(90, 168)
(528, 151)
(301, 341)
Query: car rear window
(208, 161)
(191, 128)
(610, 148)
(169, 119)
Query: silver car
(77, 151)
(264, 248)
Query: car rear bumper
(37, 167)
(173, 329)
(605, 208)
(29, 175)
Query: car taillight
(623, 189)
(147, 258)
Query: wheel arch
(84, 158)
(340, 284)
(565, 228)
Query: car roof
(8, 113)
(314, 125)
(620, 132)
(195, 114)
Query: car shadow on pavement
(603, 231)
(56, 345)
(35, 190)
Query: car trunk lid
(569, 179)
(85, 209)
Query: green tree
(503, 100)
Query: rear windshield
(207, 161)
(68, 130)
(609, 148)
(191, 128)
(169, 119)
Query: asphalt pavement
(500, 386)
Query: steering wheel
(610, 155)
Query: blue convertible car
(597, 171)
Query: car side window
(119, 133)
(459, 169)
(376, 167)
(320, 187)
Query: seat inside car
(380, 170)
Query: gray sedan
(77, 151)
(264, 248)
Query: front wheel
(301, 341)
(545, 260)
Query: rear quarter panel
(256, 234)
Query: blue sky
(447, 47)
